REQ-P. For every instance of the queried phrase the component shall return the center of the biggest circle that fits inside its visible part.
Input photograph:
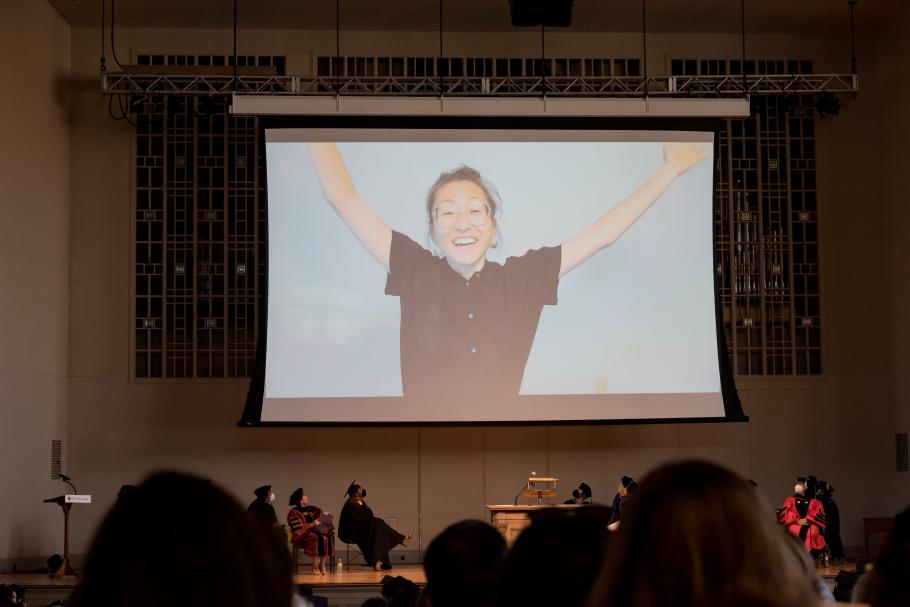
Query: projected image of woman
(468, 323)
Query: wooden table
(510, 520)
(882, 524)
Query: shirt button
(467, 283)
(473, 350)
(470, 316)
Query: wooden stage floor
(359, 576)
(348, 589)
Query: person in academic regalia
(373, 536)
(803, 515)
(312, 531)
(581, 495)
(626, 485)
(261, 508)
(832, 514)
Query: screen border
(252, 410)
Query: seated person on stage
(695, 535)
(803, 515)
(372, 535)
(312, 531)
(832, 518)
(261, 508)
(626, 486)
(581, 495)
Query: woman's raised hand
(682, 156)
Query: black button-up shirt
(468, 336)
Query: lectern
(66, 503)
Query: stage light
(826, 104)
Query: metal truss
(508, 86)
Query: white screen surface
(633, 335)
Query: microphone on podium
(527, 485)
(67, 480)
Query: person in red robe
(804, 516)
(312, 531)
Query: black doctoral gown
(372, 535)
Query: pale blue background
(638, 317)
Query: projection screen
(490, 275)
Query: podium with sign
(66, 503)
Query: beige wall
(34, 239)
(838, 426)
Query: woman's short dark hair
(694, 534)
(180, 541)
(463, 173)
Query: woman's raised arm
(339, 191)
(678, 158)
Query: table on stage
(510, 520)
(873, 525)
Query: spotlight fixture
(826, 104)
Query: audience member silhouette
(180, 541)
(566, 546)
(888, 583)
(464, 566)
(694, 535)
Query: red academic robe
(812, 534)
(313, 539)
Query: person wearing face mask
(467, 323)
(261, 508)
(580, 495)
(804, 516)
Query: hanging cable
(543, 61)
(742, 15)
(337, 46)
(234, 79)
(644, 45)
(441, 58)
(113, 46)
(103, 65)
(852, 4)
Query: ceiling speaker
(551, 13)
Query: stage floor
(347, 589)
(358, 575)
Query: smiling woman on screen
(467, 323)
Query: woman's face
(304, 500)
(462, 225)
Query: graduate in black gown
(626, 485)
(261, 508)
(373, 536)
(832, 516)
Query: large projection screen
(490, 276)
